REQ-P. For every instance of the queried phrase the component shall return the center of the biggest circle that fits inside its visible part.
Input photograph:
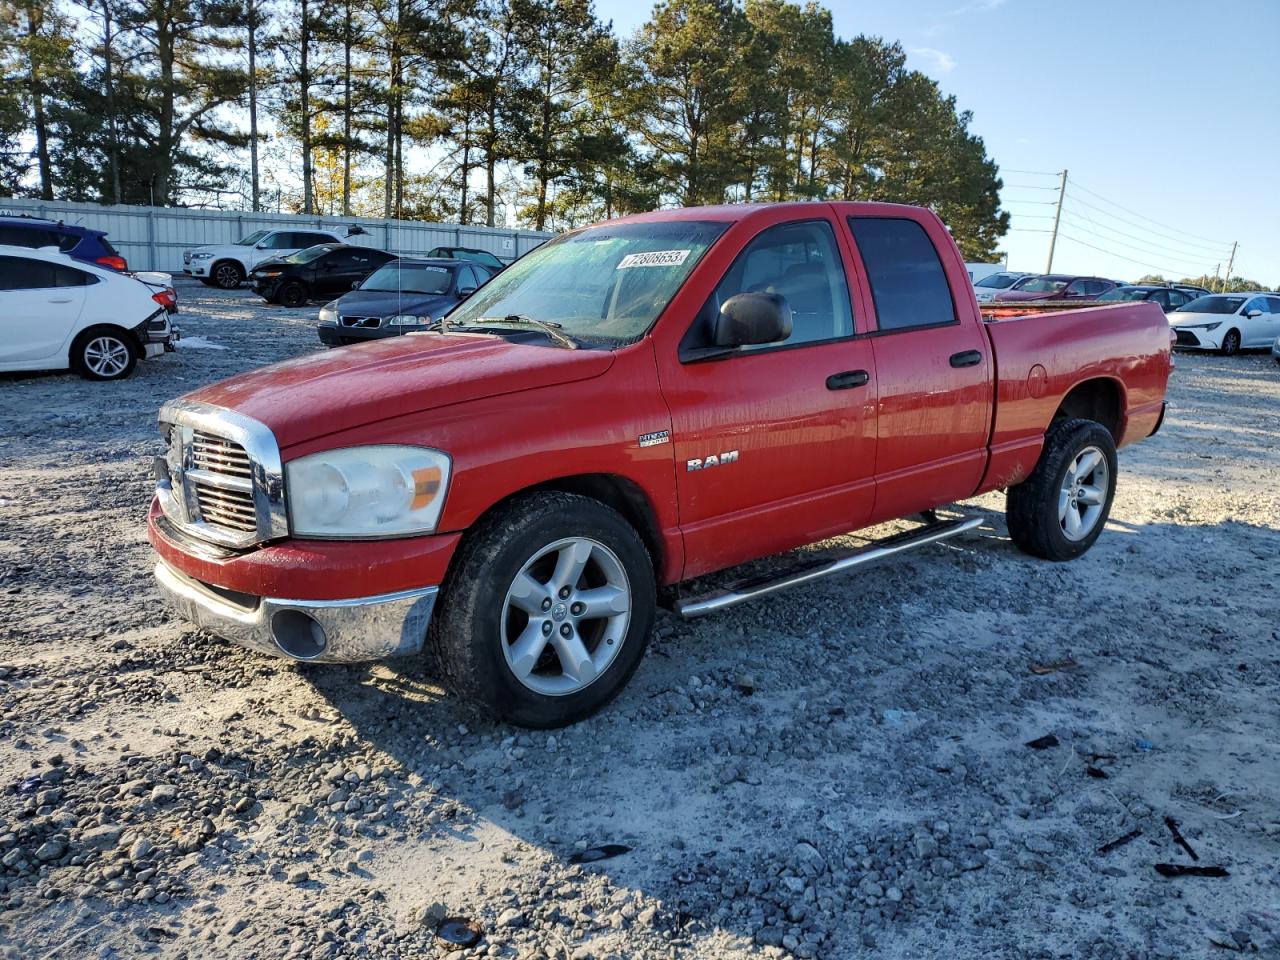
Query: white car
(987, 288)
(57, 313)
(1228, 322)
(226, 265)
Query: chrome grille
(370, 323)
(218, 455)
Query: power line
(1026, 186)
(1159, 250)
(1079, 226)
(1033, 173)
(1215, 250)
(1156, 222)
(1112, 253)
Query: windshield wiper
(552, 330)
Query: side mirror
(748, 319)
(355, 284)
(464, 292)
(1253, 313)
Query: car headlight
(1201, 326)
(267, 273)
(201, 256)
(407, 320)
(329, 312)
(373, 491)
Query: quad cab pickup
(630, 406)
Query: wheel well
(614, 491)
(1097, 400)
(238, 265)
(104, 328)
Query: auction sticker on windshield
(654, 258)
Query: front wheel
(227, 274)
(1230, 343)
(292, 295)
(547, 611)
(1059, 511)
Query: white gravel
(835, 772)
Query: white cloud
(938, 60)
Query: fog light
(298, 635)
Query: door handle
(969, 358)
(61, 300)
(848, 380)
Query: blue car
(399, 297)
(80, 243)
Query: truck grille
(221, 480)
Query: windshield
(307, 255)
(252, 238)
(607, 283)
(1125, 293)
(998, 281)
(401, 276)
(1212, 305)
(1042, 285)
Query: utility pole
(1057, 215)
(1226, 281)
(1217, 277)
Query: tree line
(476, 111)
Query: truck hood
(334, 390)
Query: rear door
(933, 364)
(774, 444)
(40, 303)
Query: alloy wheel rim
(565, 616)
(227, 276)
(106, 356)
(1084, 493)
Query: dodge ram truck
(631, 406)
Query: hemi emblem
(723, 459)
(655, 438)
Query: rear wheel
(547, 611)
(227, 274)
(104, 353)
(1059, 511)
(1230, 343)
(292, 294)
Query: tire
(1230, 343)
(227, 274)
(503, 569)
(104, 353)
(292, 295)
(1039, 509)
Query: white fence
(153, 238)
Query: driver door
(775, 444)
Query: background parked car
(226, 265)
(402, 296)
(1228, 322)
(468, 253)
(81, 243)
(1275, 350)
(986, 288)
(58, 313)
(323, 271)
(1057, 286)
(1169, 298)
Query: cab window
(904, 271)
(801, 263)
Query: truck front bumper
(321, 631)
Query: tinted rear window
(18, 273)
(908, 283)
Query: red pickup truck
(633, 405)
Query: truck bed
(1113, 360)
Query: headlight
(1200, 326)
(329, 312)
(373, 491)
(201, 256)
(406, 320)
(267, 273)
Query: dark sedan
(1169, 298)
(1057, 286)
(316, 273)
(400, 297)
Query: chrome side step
(750, 588)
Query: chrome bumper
(320, 631)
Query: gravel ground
(839, 771)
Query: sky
(1164, 113)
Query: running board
(752, 587)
